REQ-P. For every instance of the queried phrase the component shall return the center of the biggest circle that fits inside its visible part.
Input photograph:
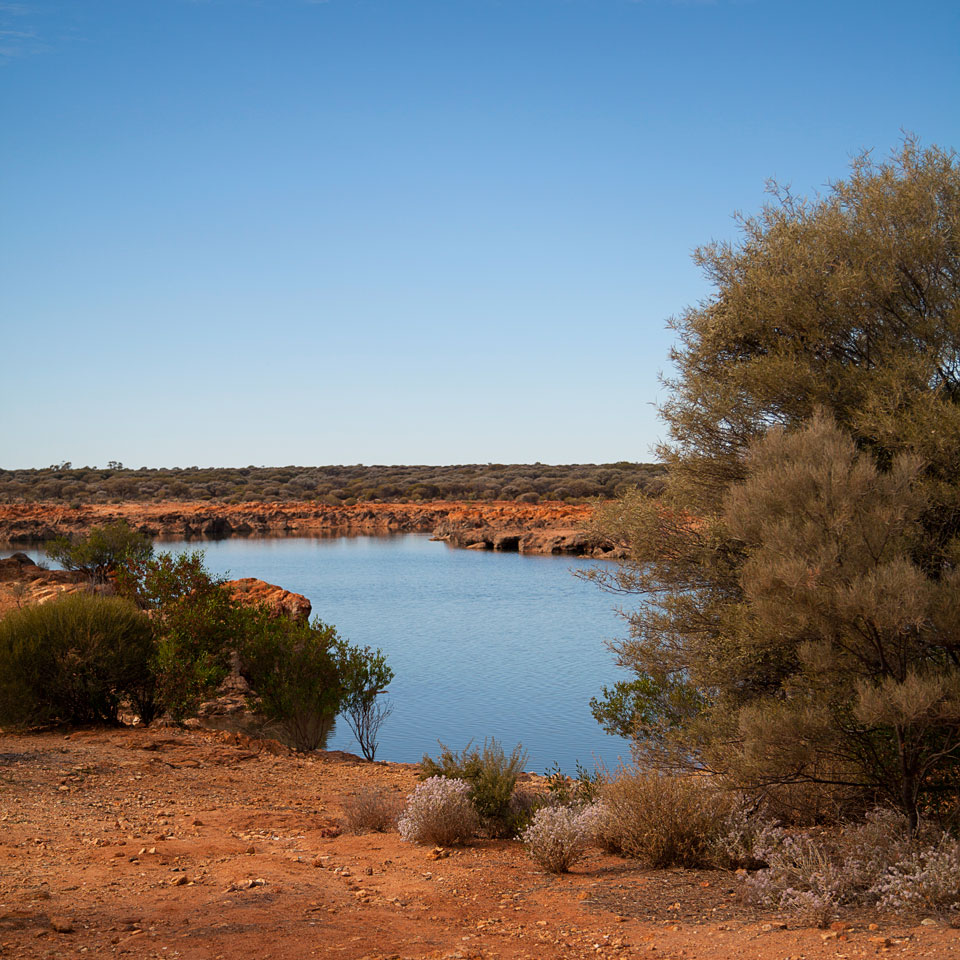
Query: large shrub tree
(846, 304)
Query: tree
(365, 707)
(859, 648)
(846, 304)
(102, 551)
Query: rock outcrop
(494, 525)
(23, 582)
(252, 592)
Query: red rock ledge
(545, 528)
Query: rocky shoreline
(552, 528)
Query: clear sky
(403, 231)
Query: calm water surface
(482, 644)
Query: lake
(483, 644)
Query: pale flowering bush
(873, 863)
(928, 881)
(802, 878)
(745, 838)
(559, 836)
(439, 811)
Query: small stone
(883, 942)
(251, 849)
(179, 881)
(197, 822)
(369, 871)
(61, 924)
(873, 926)
(929, 922)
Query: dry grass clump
(371, 809)
(664, 821)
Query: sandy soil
(194, 844)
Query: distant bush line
(334, 485)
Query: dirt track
(191, 844)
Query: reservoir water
(482, 644)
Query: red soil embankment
(497, 525)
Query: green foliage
(364, 706)
(303, 674)
(492, 777)
(579, 791)
(799, 619)
(72, 660)
(334, 485)
(102, 551)
(195, 624)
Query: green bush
(492, 777)
(73, 660)
(297, 672)
(195, 623)
(102, 551)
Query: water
(482, 644)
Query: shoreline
(501, 526)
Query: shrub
(439, 811)
(581, 790)
(927, 881)
(296, 671)
(876, 862)
(559, 836)
(102, 551)
(195, 622)
(370, 808)
(72, 660)
(492, 777)
(664, 821)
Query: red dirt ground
(197, 845)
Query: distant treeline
(527, 483)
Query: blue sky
(402, 231)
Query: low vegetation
(334, 485)
(559, 836)
(302, 674)
(439, 811)
(664, 821)
(371, 809)
(492, 779)
(103, 550)
(75, 660)
(165, 643)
